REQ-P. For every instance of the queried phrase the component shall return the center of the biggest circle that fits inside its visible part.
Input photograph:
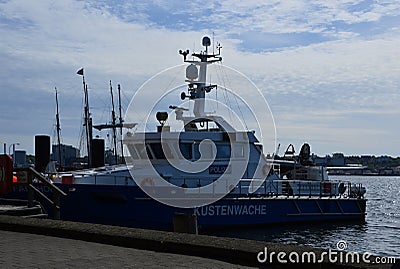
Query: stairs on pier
(13, 207)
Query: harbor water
(379, 235)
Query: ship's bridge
(189, 144)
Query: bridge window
(133, 152)
(239, 151)
(186, 150)
(143, 151)
(223, 151)
(160, 151)
(207, 150)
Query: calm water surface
(380, 234)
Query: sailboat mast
(58, 128)
(88, 120)
(120, 119)
(113, 125)
(88, 125)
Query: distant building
(69, 154)
(382, 160)
(19, 158)
(367, 158)
(337, 160)
(396, 170)
(322, 161)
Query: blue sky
(330, 70)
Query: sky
(329, 70)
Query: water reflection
(317, 235)
(380, 234)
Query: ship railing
(268, 188)
(300, 188)
(103, 180)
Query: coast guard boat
(208, 169)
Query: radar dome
(206, 41)
(192, 72)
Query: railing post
(287, 188)
(299, 188)
(348, 189)
(320, 189)
(57, 193)
(29, 189)
(265, 187)
(336, 189)
(270, 187)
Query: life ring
(147, 182)
(265, 169)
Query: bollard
(185, 223)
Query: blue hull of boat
(130, 206)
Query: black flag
(80, 72)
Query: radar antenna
(196, 78)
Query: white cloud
(47, 41)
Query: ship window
(223, 151)
(206, 149)
(196, 151)
(148, 151)
(161, 151)
(133, 152)
(167, 150)
(143, 152)
(239, 151)
(186, 150)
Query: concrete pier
(204, 251)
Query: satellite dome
(206, 41)
(192, 72)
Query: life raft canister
(6, 174)
(327, 187)
(67, 179)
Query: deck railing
(301, 188)
(269, 188)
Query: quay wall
(231, 250)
